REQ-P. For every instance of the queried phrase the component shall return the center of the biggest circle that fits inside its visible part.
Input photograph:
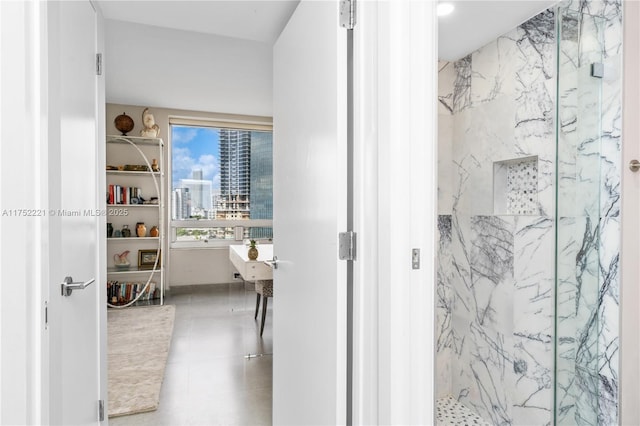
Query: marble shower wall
(495, 313)
(495, 275)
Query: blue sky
(195, 148)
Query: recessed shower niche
(515, 186)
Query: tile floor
(450, 412)
(208, 379)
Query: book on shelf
(119, 194)
(120, 293)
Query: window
(222, 183)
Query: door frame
(22, 256)
(395, 164)
(101, 164)
(629, 391)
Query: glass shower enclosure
(529, 221)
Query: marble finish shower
(529, 176)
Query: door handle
(68, 285)
(273, 263)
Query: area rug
(138, 347)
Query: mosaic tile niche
(515, 186)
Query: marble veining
(538, 33)
(534, 127)
(533, 308)
(462, 84)
(446, 76)
(492, 72)
(444, 308)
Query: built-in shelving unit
(135, 196)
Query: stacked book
(124, 195)
(119, 293)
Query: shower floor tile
(450, 412)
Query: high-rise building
(235, 170)
(192, 197)
(181, 203)
(235, 161)
(215, 194)
(200, 194)
(261, 181)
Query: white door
(74, 326)
(309, 156)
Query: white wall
(199, 266)
(146, 65)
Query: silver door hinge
(347, 245)
(348, 14)
(98, 63)
(101, 410)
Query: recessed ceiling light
(445, 9)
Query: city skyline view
(221, 173)
(195, 149)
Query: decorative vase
(121, 261)
(141, 229)
(154, 232)
(154, 165)
(252, 254)
(126, 232)
(124, 123)
(109, 230)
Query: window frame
(240, 124)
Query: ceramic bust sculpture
(151, 129)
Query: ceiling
(261, 20)
(472, 24)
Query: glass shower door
(583, 212)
